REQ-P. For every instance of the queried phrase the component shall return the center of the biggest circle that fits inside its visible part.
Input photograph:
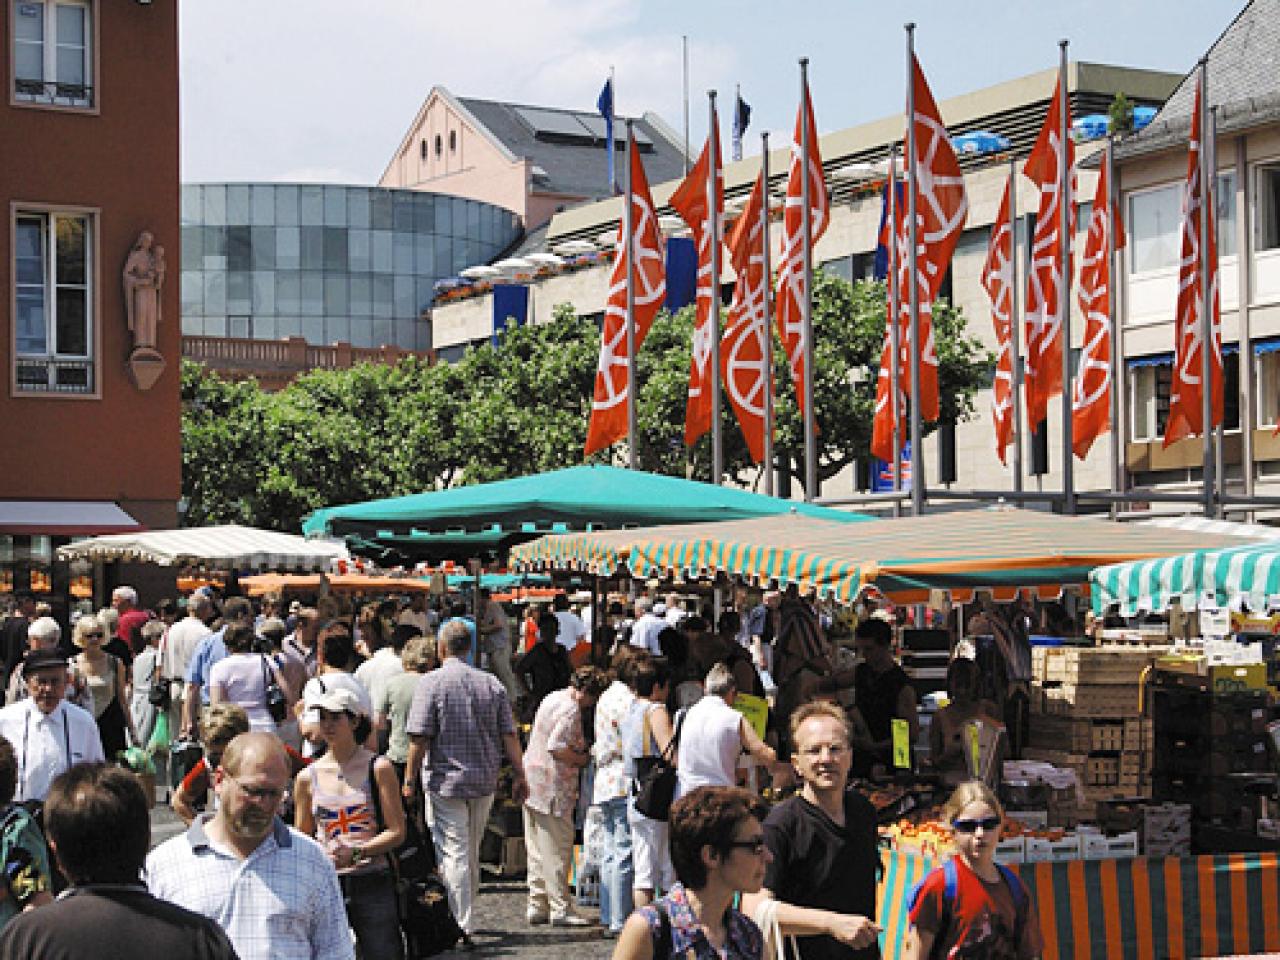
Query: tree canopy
(521, 406)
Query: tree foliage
(521, 406)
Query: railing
(275, 362)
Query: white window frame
(53, 361)
(51, 97)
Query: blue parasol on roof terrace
(451, 283)
(1143, 116)
(1093, 126)
(978, 142)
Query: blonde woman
(108, 681)
(109, 620)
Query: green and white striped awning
(1231, 577)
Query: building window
(1155, 225)
(439, 145)
(453, 141)
(423, 148)
(1269, 206)
(1150, 383)
(53, 333)
(53, 52)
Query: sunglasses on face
(97, 634)
(971, 826)
(755, 845)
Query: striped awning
(1232, 577)
(981, 548)
(229, 547)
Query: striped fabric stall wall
(1165, 909)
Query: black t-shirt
(818, 863)
(112, 922)
(876, 695)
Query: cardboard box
(1038, 850)
(1012, 850)
(1101, 847)
(1235, 677)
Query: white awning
(229, 547)
(64, 518)
(1193, 524)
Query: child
(972, 906)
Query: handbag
(158, 695)
(655, 783)
(277, 702)
(422, 901)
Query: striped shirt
(464, 714)
(282, 902)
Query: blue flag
(605, 106)
(880, 268)
(741, 119)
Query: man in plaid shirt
(271, 889)
(459, 726)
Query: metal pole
(895, 334)
(1248, 400)
(713, 224)
(613, 147)
(913, 295)
(1113, 321)
(1064, 286)
(1206, 301)
(768, 315)
(684, 56)
(806, 302)
(1211, 211)
(1015, 324)
(629, 243)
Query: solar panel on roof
(549, 122)
(595, 123)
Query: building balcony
(274, 363)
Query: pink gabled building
(532, 160)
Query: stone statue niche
(143, 281)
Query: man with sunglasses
(48, 734)
(822, 879)
(270, 888)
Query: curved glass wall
(328, 263)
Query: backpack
(951, 881)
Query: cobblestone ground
(502, 931)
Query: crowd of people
(305, 745)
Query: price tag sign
(901, 744)
(755, 709)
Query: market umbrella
(1232, 577)
(979, 142)
(230, 547)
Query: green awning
(1231, 577)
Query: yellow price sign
(973, 741)
(755, 709)
(901, 744)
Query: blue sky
(324, 89)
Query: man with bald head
(269, 887)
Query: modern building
(271, 269)
(1013, 110)
(532, 160)
(89, 413)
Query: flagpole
(806, 301)
(913, 295)
(1206, 301)
(736, 147)
(1113, 362)
(613, 125)
(713, 220)
(684, 56)
(1015, 334)
(768, 315)
(629, 248)
(1064, 286)
(895, 311)
(1211, 159)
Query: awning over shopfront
(980, 548)
(229, 547)
(64, 518)
(1234, 577)
(579, 498)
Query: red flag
(941, 209)
(742, 361)
(792, 291)
(612, 392)
(1091, 393)
(690, 201)
(889, 411)
(1045, 277)
(997, 279)
(1186, 410)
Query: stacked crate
(1086, 715)
(1211, 748)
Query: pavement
(501, 927)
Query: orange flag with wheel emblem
(746, 377)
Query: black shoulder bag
(277, 702)
(655, 786)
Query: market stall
(228, 547)
(1232, 577)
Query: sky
(324, 90)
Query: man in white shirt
(675, 612)
(572, 630)
(48, 734)
(177, 649)
(644, 632)
(385, 663)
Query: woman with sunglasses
(718, 850)
(349, 800)
(108, 681)
(973, 906)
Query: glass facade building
(327, 263)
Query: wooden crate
(1093, 701)
(1096, 665)
(1102, 771)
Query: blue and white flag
(605, 106)
(741, 119)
